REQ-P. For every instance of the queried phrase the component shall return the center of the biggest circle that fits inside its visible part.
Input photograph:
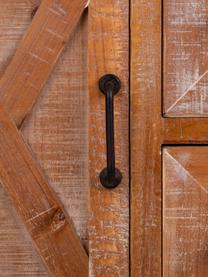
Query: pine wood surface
(185, 58)
(185, 130)
(109, 209)
(18, 256)
(19, 259)
(145, 139)
(19, 13)
(57, 130)
(185, 215)
(167, 251)
(37, 54)
(48, 224)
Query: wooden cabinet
(56, 219)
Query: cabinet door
(169, 134)
(56, 219)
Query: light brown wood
(46, 221)
(17, 254)
(185, 58)
(57, 133)
(184, 167)
(109, 209)
(37, 54)
(145, 139)
(185, 131)
(57, 130)
(185, 216)
(184, 71)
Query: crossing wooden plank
(37, 54)
(57, 129)
(47, 222)
(109, 209)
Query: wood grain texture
(57, 133)
(37, 54)
(185, 130)
(57, 130)
(145, 138)
(17, 255)
(109, 209)
(185, 58)
(185, 216)
(48, 224)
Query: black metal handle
(110, 177)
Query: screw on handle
(110, 177)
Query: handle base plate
(108, 182)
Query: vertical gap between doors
(129, 123)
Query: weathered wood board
(145, 138)
(37, 53)
(167, 251)
(57, 129)
(54, 134)
(17, 254)
(185, 211)
(185, 58)
(109, 209)
(47, 222)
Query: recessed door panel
(185, 211)
(185, 58)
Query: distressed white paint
(185, 58)
(185, 212)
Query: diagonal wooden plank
(45, 219)
(37, 54)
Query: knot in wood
(58, 220)
(34, 11)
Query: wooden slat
(47, 223)
(37, 54)
(185, 58)
(145, 138)
(185, 211)
(109, 209)
(185, 131)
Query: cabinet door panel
(185, 58)
(185, 211)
